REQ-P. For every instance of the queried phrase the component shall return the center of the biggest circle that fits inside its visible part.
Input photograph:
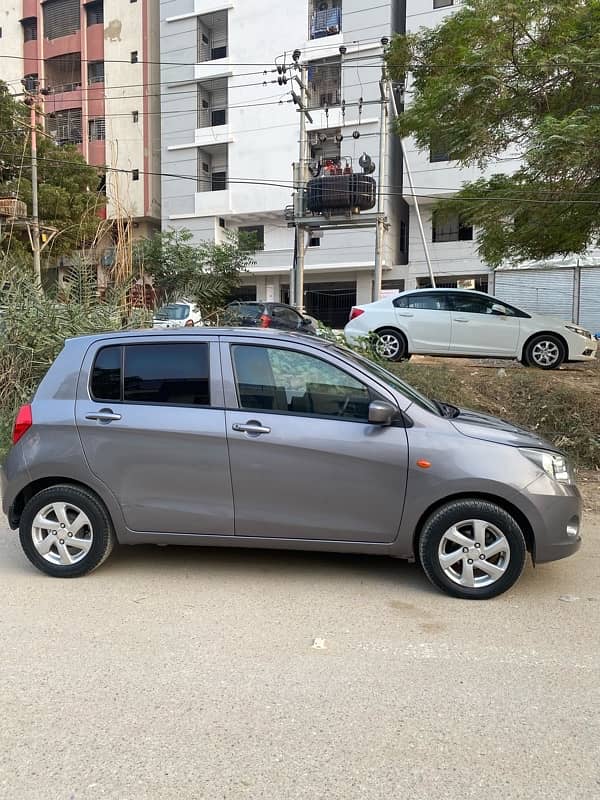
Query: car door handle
(405, 313)
(460, 319)
(104, 415)
(251, 427)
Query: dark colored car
(254, 314)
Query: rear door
(151, 420)
(479, 330)
(425, 318)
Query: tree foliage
(67, 186)
(206, 272)
(518, 79)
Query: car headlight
(553, 464)
(579, 331)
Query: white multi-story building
(230, 132)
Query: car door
(479, 329)
(425, 318)
(305, 463)
(151, 420)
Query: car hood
(477, 425)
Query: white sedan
(460, 322)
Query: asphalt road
(182, 673)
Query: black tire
(99, 532)
(545, 351)
(510, 561)
(398, 346)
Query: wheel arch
(536, 335)
(507, 506)
(394, 327)
(31, 489)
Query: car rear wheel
(390, 345)
(472, 549)
(545, 352)
(66, 532)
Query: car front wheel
(390, 345)
(545, 352)
(472, 549)
(66, 532)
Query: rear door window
(428, 301)
(106, 375)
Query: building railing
(326, 23)
(65, 87)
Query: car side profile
(254, 313)
(250, 438)
(461, 322)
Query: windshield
(392, 380)
(176, 311)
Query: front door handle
(405, 313)
(460, 319)
(104, 415)
(251, 427)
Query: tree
(522, 78)
(206, 272)
(67, 186)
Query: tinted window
(475, 304)
(173, 311)
(167, 373)
(106, 374)
(273, 379)
(286, 317)
(428, 301)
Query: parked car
(181, 314)
(213, 436)
(460, 322)
(254, 314)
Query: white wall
(11, 44)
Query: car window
(106, 375)
(276, 379)
(471, 303)
(428, 301)
(173, 311)
(286, 315)
(401, 302)
(171, 374)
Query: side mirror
(381, 413)
(306, 321)
(498, 309)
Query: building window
(442, 3)
(30, 29)
(393, 286)
(403, 243)
(325, 18)
(219, 181)
(221, 222)
(314, 241)
(61, 18)
(95, 72)
(135, 115)
(135, 174)
(63, 73)
(97, 129)
(325, 83)
(257, 232)
(212, 103)
(65, 126)
(94, 13)
(439, 149)
(450, 228)
(134, 56)
(212, 36)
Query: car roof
(443, 290)
(198, 333)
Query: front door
(152, 425)
(477, 329)
(305, 462)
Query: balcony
(327, 22)
(212, 37)
(325, 84)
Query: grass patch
(564, 407)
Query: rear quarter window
(106, 375)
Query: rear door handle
(251, 427)
(460, 319)
(104, 415)
(404, 314)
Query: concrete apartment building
(228, 143)
(97, 64)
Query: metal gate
(539, 291)
(589, 299)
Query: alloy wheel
(387, 346)
(62, 533)
(545, 353)
(474, 553)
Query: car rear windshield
(247, 310)
(173, 311)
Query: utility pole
(414, 196)
(32, 101)
(297, 283)
(384, 88)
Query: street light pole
(381, 224)
(35, 239)
(297, 296)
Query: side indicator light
(423, 463)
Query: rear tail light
(356, 312)
(23, 422)
(265, 321)
(189, 323)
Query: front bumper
(558, 519)
(582, 349)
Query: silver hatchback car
(249, 438)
